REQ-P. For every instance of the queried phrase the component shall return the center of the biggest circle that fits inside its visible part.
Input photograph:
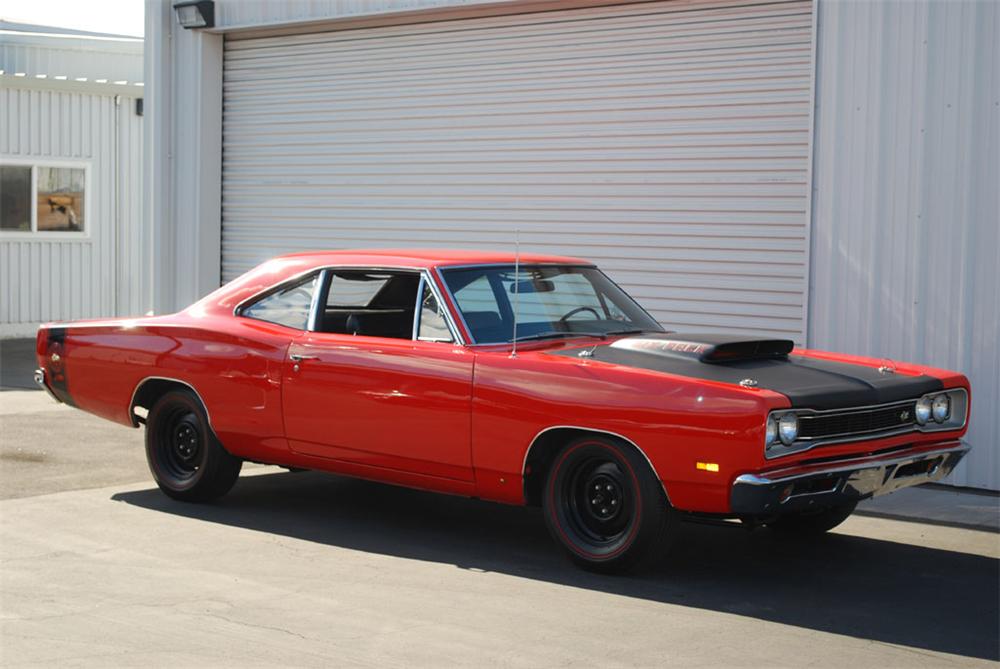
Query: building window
(43, 198)
(15, 198)
(60, 198)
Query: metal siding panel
(668, 143)
(71, 57)
(232, 13)
(57, 279)
(905, 241)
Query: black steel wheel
(814, 521)
(605, 506)
(186, 459)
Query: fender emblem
(749, 383)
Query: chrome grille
(857, 422)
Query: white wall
(906, 248)
(70, 56)
(43, 280)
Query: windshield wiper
(552, 334)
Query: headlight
(941, 408)
(788, 428)
(923, 410)
(771, 433)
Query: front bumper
(796, 488)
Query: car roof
(426, 258)
(282, 268)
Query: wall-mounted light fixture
(195, 13)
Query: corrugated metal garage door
(667, 141)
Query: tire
(186, 459)
(813, 522)
(606, 508)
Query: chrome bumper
(40, 380)
(795, 489)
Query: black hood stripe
(807, 382)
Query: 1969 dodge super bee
(523, 379)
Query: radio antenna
(517, 288)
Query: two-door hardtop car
(528, 379)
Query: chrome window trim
(472, 342)
(524, 462)
(274, 288)
(427, 282)
(416, 307)
(325, 270)
(456, 334)
(452, 302)
(810, 443)
(260, 294)
(314, 305)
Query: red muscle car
(527, 380)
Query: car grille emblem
(904, 415)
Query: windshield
(551, 301)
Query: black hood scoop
(763, 363)
(710, 348)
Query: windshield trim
(470, 340)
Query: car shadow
(884, 591)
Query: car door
(367, 384)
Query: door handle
(296, 357)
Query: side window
(370, 304)
(289, 306)
(433, 326)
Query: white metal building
(71, 164)
(826, 171)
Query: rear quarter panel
(234, 364)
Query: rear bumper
(799, 487)
(44, 385)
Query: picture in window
(60, 199)
(15, 198)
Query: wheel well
(543, 451)
(149, 392)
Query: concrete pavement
(938, 504)
(49, 447)
(309, 570)
(98, 568)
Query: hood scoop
(711, 348)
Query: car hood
(762, 363)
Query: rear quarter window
(288, 306)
